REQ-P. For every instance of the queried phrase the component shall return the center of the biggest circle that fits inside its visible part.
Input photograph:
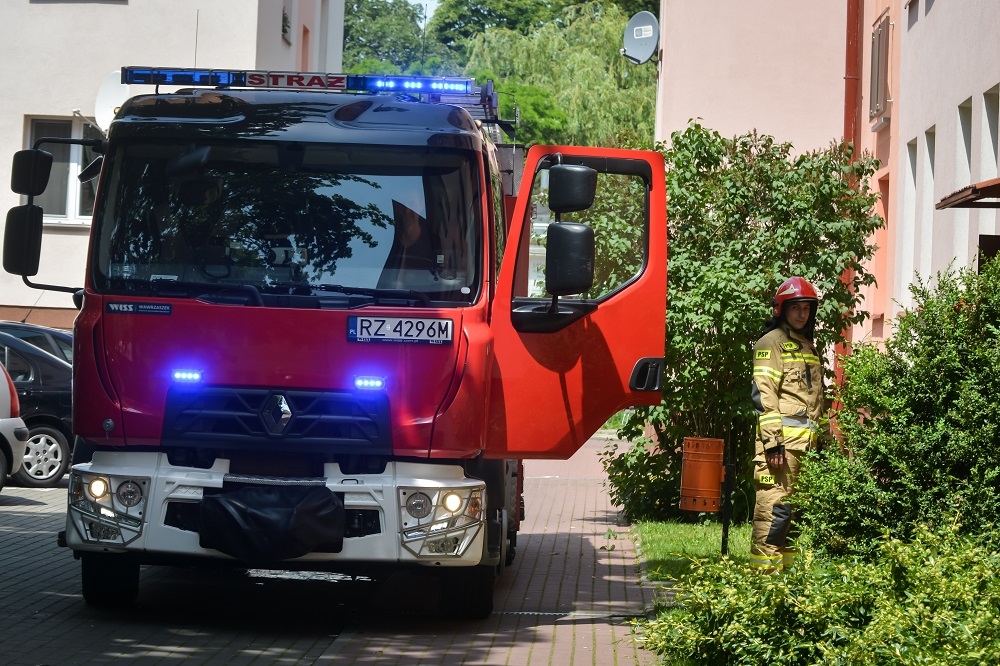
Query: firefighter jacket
(787, 391)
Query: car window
(66, 348)
(17, 366)
(37, 339)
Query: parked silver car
(13, 432)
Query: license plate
(400, 329)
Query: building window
(989, 247)
(878, 102)
(66, 199)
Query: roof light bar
(295, 80)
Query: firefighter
(788, 395)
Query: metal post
(727, 504)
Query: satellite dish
(642, 36)
(110, 96)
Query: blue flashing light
(180, 76)
(186, 376)
(416, 84)
(369, 383)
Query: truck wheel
(467, 593)
(46, 457)
(511, 546)
(109, 580)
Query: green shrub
(920, 423)
(642, 479)
(832, 482)
(731, 614)
(935, 600)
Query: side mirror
(571, 187)
(92, 170)
(30, 172)
(22, 240)
(569, 258)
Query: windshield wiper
(210, 292)
(376, 294)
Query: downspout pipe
(852, 100)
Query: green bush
(920, 423)
(833, 482)
(935, 600)
(641, 479)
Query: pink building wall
(776, 66)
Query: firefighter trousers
(772, 514)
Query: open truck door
(565, 361)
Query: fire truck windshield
(291, 219)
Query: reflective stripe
(804, 434)
(799, 427)
(761, 561)
(808, 359)
(800, 421)
(764, 419)
(765, 371)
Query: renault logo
(276, 414)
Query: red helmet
(793, 289)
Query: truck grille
(297, 420)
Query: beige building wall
(776, 66)
(54, 57)
(949, 92)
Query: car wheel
(46, 457)
(109, 580)
(3, 470)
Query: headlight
(106, 508)
(419, 505)
(452, 502)
(98, 488)
(129, 493)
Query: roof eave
(985, 194)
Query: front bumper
(174, 517)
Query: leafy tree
(577, 62)
(455, 22)
(920, 422)
(744, 215)
(632, 7)
(387, 37)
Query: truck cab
(321, 323)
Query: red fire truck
(321, 324)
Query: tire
(511, 547)
(109, 580)
(46, 458)
(467, 593)
(3, 470)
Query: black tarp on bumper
(266, 524)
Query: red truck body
(276, 372)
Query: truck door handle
(647, 375)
